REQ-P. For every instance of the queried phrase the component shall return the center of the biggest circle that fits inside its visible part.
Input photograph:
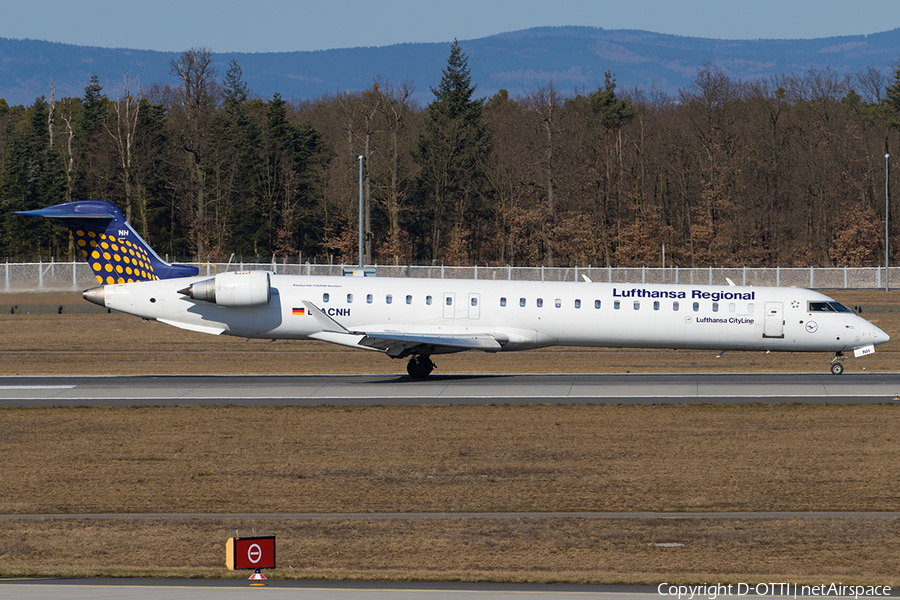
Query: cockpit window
(820, 307)
(828, 307)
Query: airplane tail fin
(114, 250)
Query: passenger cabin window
(325, 297)
(596, 304)
(616, 305)
(474, 301)
(502, 301)
(408, 299)
(388, 299)
(732, 307)
(540, 302)
(637, 305)
(349, 298)
(428, 300)
(449, 300)
(715, 307)
(751, 307)
(656, 305)
(675, 306)
(696, 306)
(369, 298)
(557, 303)
(577, 303)
(522, 302)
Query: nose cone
(880, 336)
(97, 295)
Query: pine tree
(236, 90)
(33, 178)
(892, 99)
(238, 142)
(94, 112)
(452, 149)
(612, 114)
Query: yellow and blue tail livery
(114, 250)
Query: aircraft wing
(402, 343)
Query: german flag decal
(299, 311)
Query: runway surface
(358, 390)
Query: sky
(290, 25)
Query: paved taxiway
(311, 390)
(160, 589)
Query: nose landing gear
(836, 367)
(419, 366)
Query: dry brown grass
(810, 551)
(466, 459)
(453, 458)
(511, 458)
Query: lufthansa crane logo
(812, 327)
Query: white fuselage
(519, 315)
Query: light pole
(887, 196)
(361, 229)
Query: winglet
(325, 322)
(115, 251)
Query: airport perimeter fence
(69, 276)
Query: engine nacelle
(247, 289)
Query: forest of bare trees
(788, 171)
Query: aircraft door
(449, 301)
(474, 306)
(774, 321)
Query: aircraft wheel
(837, 368)
(419, 367)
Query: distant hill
(572, 57)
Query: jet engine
(247, 289)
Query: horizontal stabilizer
(53, 212)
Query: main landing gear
(419, 366)
(836, 367)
